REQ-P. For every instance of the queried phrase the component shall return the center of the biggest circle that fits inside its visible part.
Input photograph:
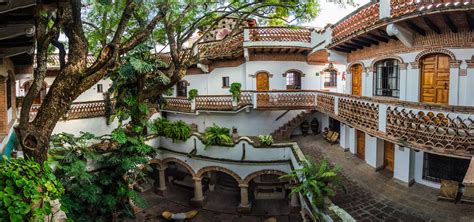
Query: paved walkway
(373, 196)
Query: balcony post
(198, 199)
(254, 100)
(193, 105)
(384, 9)
(246, 35)
(336, 105)
(244, 206)
(382, 117)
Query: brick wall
(3, 106)
(462, 39)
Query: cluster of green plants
(215, 135)
(319, 179)
(26, 189)
(265, 139)
(235, 90)
(177, 130)
(192, 94)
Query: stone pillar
(198, 199)
(294, 202)
(404, 165)
(244, 206)
(162, 179)
(412, 89)
(352, 140)
(454, 83)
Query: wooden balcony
(79, 110)
(447, 130)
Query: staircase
(284, 132)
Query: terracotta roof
(361, 19)
(53, 60)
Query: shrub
(235, 90)
(159, 126)
(177, 130)
(265, 139)
(193, 93)
(216, 135)
(26, 189)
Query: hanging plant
(235, 90)
(193, 93)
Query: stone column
(162, 179)
(294, 202)
(198, 199)
(244, 206)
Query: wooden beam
(368, 40)
(345, 47)
(470, 21)
(13, 51)
(12, 31)
(378, 37)
(432, 26)
(359, 42)
(341, 50)
(353, 45)
(416, 28)
(450, 23)
(383, 33)
(16, 4)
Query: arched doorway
(356, 71)
(220, 184)
(263, 83)
(434, 86)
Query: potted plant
(304, 128)
(236, 93)
(215, 135)
(265, 140)
(193, 93)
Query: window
(293, 80)
(225, 82)
(100, 88)
(386, 78)
(437, 167)
(182, 89)
(9, 93)
(330, 79)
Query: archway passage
(356, 71)
(435, 79)
(269, 194)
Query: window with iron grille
(293, 80)
(386, 77)
(330, 79)
(437, 168)
(225, 82)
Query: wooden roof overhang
(437, 20)
(17, 31)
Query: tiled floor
(375, 196)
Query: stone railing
(402, 7)
(280, 34)
(179, 104)
(78, 110)
(215, 102)
(359, 20)
(207, 103)
(285, 99)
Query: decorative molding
(403, 66)
(434, 51)
(294, 70)
(348, 71)
(252, 75)
(463, 72)
(455, 63)
(470, 63)
(414, 65)
(400, 60)
(369, 69)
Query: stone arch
(261, 71)
(400, 60)
(157, 162)
(180, 162)
(219, 169)
(434, 51)
(348, 71)
(302, 74)
(251, 176)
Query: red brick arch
(180, 162)
(434, 51)
(219, 169)
(400, 60)
(251, 176)
(348, 71)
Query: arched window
(386, 77)
(293, 80)
(182, 89)
(330, 79)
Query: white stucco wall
(95, 126)
(404, 164)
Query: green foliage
(265, 139)
(215, 135)
(316, 179)
(177, 130)
(159, 126)
(193, 93)
(26, 188)
(97, 176)
(235, 90)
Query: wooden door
(263, 84)
(356, 71)
(389, 155)
(360, 144)
(435, 79)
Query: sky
(332, 13)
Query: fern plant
(265, 139)
(193, 93)
(215, 135)
(316, 179)
(158, 126)
(177, 130)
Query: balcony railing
(359, 20)
(401, 7)
(437, 128)
(78, 110)
(280, 34)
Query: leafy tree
(316, 179)
(111, 29)
(26, 189)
